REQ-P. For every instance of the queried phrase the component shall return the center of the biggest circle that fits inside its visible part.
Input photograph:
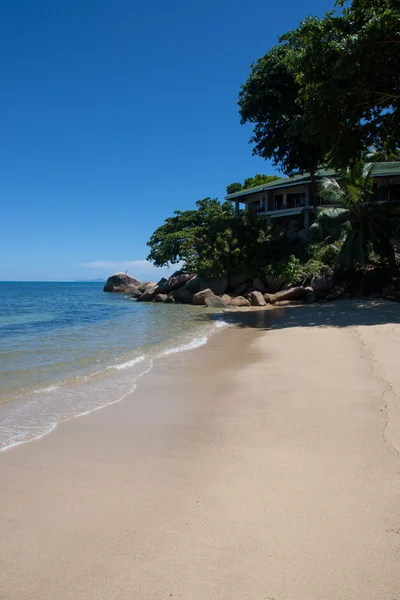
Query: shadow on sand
(345, 313)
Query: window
(278, 202)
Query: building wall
(270, 196)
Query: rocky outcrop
(238, 280)
(258, 285)
(311, 297)
(240, 289)
(226, 299)
(275, 283)
(239, 301)
(215, 302)
(209, 299)
(218, 286)
(161, 298)
(185, 294)
(132, 291)
(177, 280)
(335, 293)
(188, 288)
(257, 299)
(294, 293)
(199, 299)
(149, 291)
(269, 298)
(323, 282)
(120, 282)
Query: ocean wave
(39, 413)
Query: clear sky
(115, 113)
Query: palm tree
(359, 218)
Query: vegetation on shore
(326, 94)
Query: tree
(258, 179)
(233, 188)
(365, 226)
(212, 241)
(347, 68)
(270, 100)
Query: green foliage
(270, 101)
(258, 179)
(288, 268)
(212, 241)
(329, 90)
(321, 256)
(347, 68)
(233, 188)
(362, 225)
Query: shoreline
(126, 373)
(262, 464)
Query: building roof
(382, 169)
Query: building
(288, 200)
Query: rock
(199, 299)
(289, 303)
(177, 280)
(133, 291)
(226, 299)
(170, 299)
(218, 286)
(311, 298)
(238, 280)
(389, 290)
(119, 282)
(275, 283)
(323, 282)
(240, 301)
(269, 298)
(258, 285)
(161, 298)
(249, 291)
(150, 291)
(185, 294)
(336, 293)
(147, 285)
(346, 296)
(257, 299)
(240, 289)
(214, 302)
(294, 293)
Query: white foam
(128, 364)
(196, 343)
(50, 388)
(221, 324)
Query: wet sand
(264, 465)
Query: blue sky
(115, 114)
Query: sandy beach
(264, 465)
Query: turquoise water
(68, 348)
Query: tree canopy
(329, 90)
(270, 100)
(211, 241)
(258, 179)
(347, 68)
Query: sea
(67, 349)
